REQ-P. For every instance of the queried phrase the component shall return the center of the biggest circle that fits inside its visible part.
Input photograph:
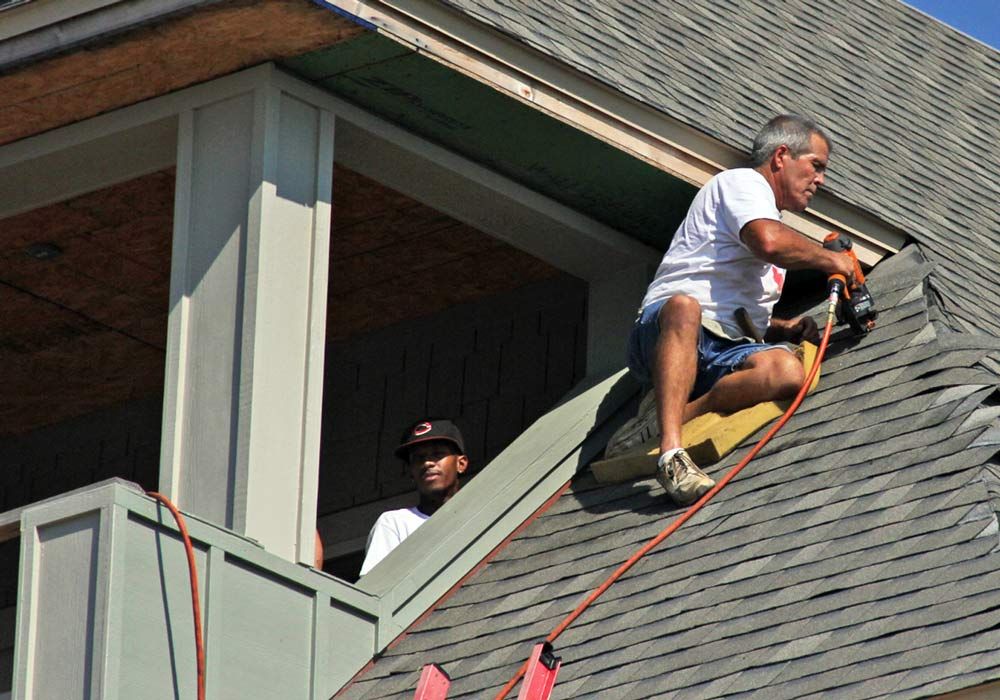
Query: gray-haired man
(727, 258)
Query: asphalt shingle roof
(855, 558)
(913, 106)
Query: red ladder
(433, 685)
(539, 679)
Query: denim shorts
(717, 356)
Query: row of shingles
(747, 573)
(745, 667)
(959, 671)
(900, 122)
(951, 662)
(752, 572)
(640, 609)
(871, 665)
(973, 400)
(968, 292)
(491, 567)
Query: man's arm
(777, 244)
(795, 330)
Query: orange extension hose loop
(690, 512)
(199, 644)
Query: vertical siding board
(62, 609)
(212, 614)
(265, 646)
(157, 657)
(111, 591)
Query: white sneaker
(683, 481)
(635, 431)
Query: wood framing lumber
(707, 438)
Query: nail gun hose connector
(836, 285)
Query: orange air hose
(199, 644)
(690, 512)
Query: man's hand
(843, 265)
(795, 330)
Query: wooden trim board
(707, 438)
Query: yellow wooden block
(707, 438)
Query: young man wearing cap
(435, 453)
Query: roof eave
(560, 91)
(34, 31)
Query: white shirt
(391, 528)
(708, 260)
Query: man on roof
(435, 453)
(726, 266)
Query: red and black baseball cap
(427, 430)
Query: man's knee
(784, 371)
(680, 309)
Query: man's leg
(675, 365)
(768, 375)
(675, 370)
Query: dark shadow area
(9, 568)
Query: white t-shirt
(707, 259)
(391, 528)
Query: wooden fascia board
(33, 16)
(37, 29)
(563, 93)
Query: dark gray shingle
(856, 558)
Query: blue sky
(979, 19)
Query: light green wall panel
(156, 639)
(263, 643)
